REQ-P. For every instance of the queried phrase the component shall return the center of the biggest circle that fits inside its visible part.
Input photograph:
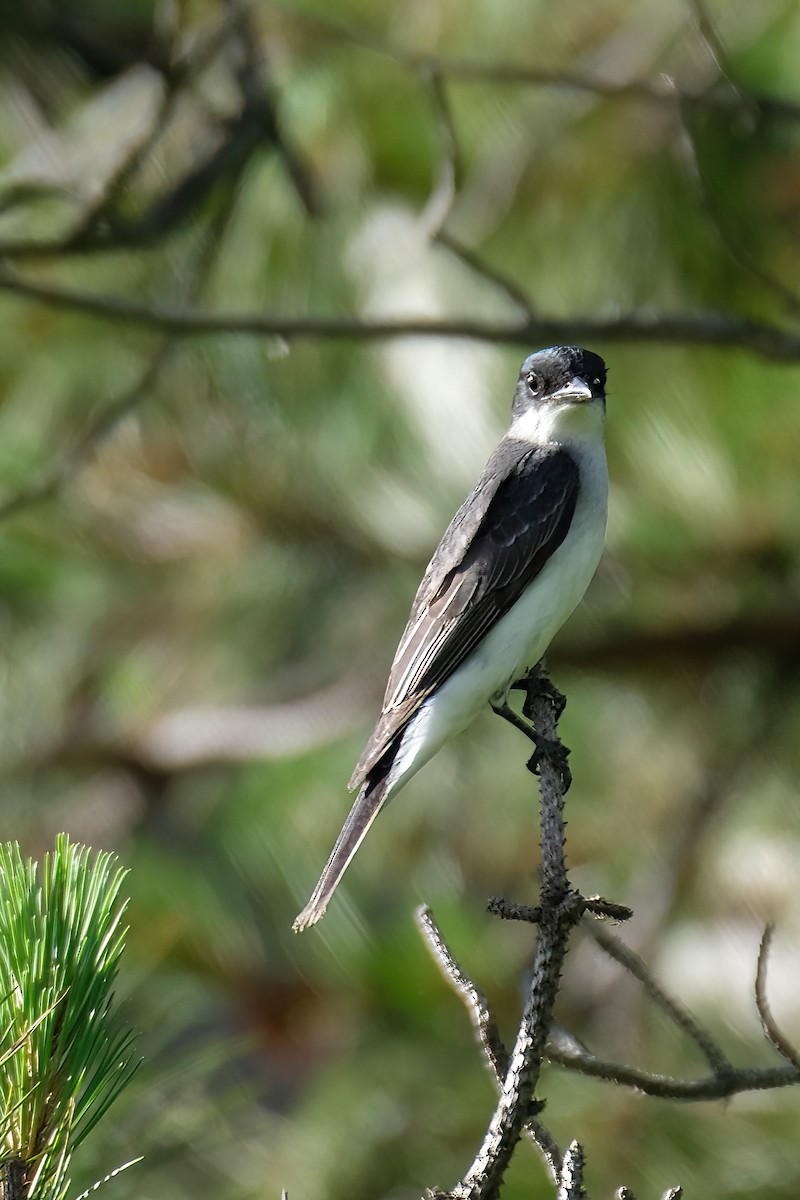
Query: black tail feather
(367, 805)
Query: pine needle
(64, 1055)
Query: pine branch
(68, 1056)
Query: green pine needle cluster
(64, 1056)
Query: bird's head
(562, 388)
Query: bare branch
(507, 910)
(560, 909)
(191, 738)
(468, 992)
(93, 228)
(261, 108)
(768, 1022)
(66, 466)
(711, 1087)
(726, 1079)
(627, 958)
(773, 633)
(443, 196)
(699, 329)
(570, 1184)
(485, 1028)
(546, 1145)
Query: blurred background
(209, 543)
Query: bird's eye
(534, 382)
(597, 382)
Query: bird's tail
(367, 805)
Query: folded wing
(497, 543)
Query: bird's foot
(556, 698)
(537, 683)
(504, 710)
(550, 749)
(555, 753)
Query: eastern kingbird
(514, 562)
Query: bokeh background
(209, 542)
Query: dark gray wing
(496, 544)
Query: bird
(512, 565)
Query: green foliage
(66, 1057)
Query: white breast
(521, 637)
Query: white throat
(561, 424)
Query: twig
(716, 48)
(485, 1027)
(70, 462)
(661, 91)
(66, 466)
(476, 264)
(736, 251)
(725, 762)
(627, 958)
(571, 1180)
(726, 1079)
(442, 197)
(699, 329)
(768, 1022)
(260, 104)
(559, 909)
(468, 992)
(95, 227)
(711, 1087)
(102, 226)
(507, 910)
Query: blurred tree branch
(643, 326)
(103, 224)
(662, 91)
(195, 737)
(201, 262)
(716, 48)
(66, 466)
(774, 634)
(191, 738)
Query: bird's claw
(555, 753)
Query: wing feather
(496, 544)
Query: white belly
(517, 641)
